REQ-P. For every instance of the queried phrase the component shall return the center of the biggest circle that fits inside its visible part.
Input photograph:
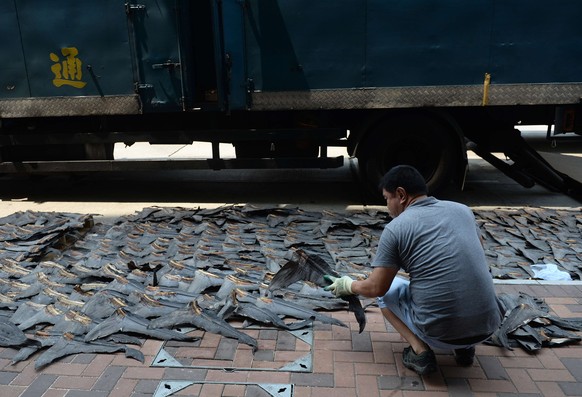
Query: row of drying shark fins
(515, 239)
(74, 286)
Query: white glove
(340, 286)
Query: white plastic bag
(550, 271)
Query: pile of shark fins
(515, 239)
(162, 270)
(528, 324)
(81, 286)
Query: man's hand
(340, 286)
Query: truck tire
(421, 142)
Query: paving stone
(540, 290)
(225, 376)
(123, 388)
(551, 375)
(344, 375)
(268, 334)
(361, 342)
(74, 382)
(193, 374)
(522, 381)
(571, 388)
(83, 358)
(11, 391)
(98, 365)
(458, 387)
(550, 389)
(109, 379)
(492, 368)
(400, 383)
(7, 353)
(53, 393)
(557, 290)
(39, 386)
(574, 365)
(237, 390)
(264, 355)
(226, 349)
(314, 380)
(323, 361)
(322, 327)
(367, 386)
(374, 369)
(7, 377)
(87, 393)
(492, 386)
(271, 377)
(286, 341)
(147, 386)
(356, 357)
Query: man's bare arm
(377, 284)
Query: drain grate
(278, 350)
(197, 388)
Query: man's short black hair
(406, 177)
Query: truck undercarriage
(434, 140)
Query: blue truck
(393, 81)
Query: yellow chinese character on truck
(68, 71)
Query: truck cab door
(229, 45)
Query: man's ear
(401, 193)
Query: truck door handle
(166, 65)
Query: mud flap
(529, 167)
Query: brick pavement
(344, 363)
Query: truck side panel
(13, 82)
(383, 54)
(427, 43)
(62, 40)
(536, 41)
(285, 53)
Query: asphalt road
(114, 194)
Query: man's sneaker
(423, 363)
(465, 357)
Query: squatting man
(448, 301)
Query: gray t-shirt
(438, 244)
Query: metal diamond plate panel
(70, 106)
(376, 98)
